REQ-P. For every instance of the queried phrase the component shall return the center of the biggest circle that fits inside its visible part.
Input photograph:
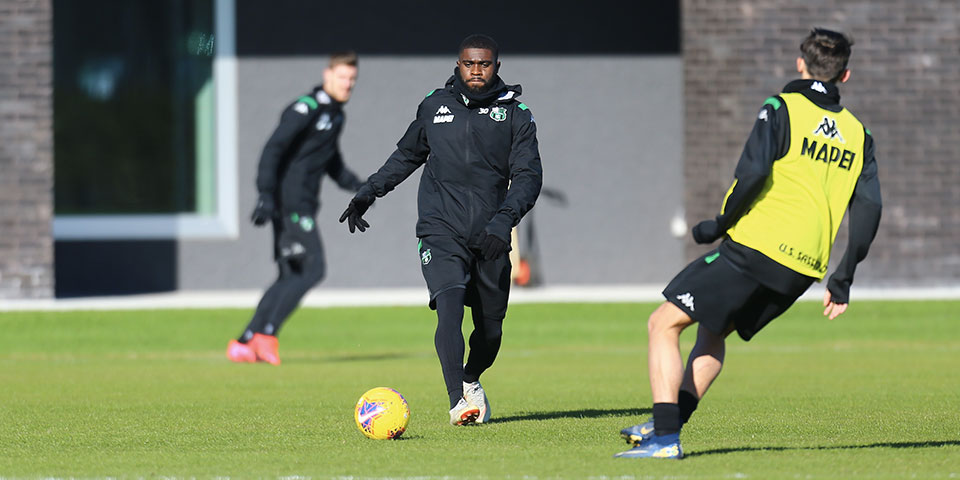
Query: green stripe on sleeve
(522, 106)
(308, 100)
(772, 101)
(431, 92)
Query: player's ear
(845, 76)
(497, 69)
(801, 65)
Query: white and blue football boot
(662, 446)
(638, 434)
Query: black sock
(449, 341)
(666, 418)
(688, 405)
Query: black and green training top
(303, 148)
(481, 160)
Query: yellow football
(382, 413)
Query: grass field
(873, 394)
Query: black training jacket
(770, 140)
(472, 153)
(303, 148)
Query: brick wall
(905, 87)
(26, 149)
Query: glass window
(134, 107)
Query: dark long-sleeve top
(302, 149)
(482, 164)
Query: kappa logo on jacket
(443, 115)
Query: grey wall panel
(610, 131)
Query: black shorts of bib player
(303, 148)
(807, 162)
(477, 144)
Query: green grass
(873, 394)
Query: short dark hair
(479, 40)
(826, 53)
(347, 57)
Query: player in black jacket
(482, 173)
(303, 148)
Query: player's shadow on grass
(370, 357)
(583, 413)
(721, 451)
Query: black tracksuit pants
(300, 259)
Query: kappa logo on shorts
(426, 256)
(295, 249)
(687, 300)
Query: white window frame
(224, 222)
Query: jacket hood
(498, 92)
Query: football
(382, 413)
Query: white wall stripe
(322, 297)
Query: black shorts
(717, 294)
(447, 263)
(296, 241)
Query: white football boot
(464, 413)
(474, 394)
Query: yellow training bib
(795, 218)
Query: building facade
(128, 166)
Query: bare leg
(665, 362)
(705, 361)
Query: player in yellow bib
(807, 161)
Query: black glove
(355, 210)
(706, 231)
(264, 210)
(492, 246)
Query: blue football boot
(663, 446)
(638, 434)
